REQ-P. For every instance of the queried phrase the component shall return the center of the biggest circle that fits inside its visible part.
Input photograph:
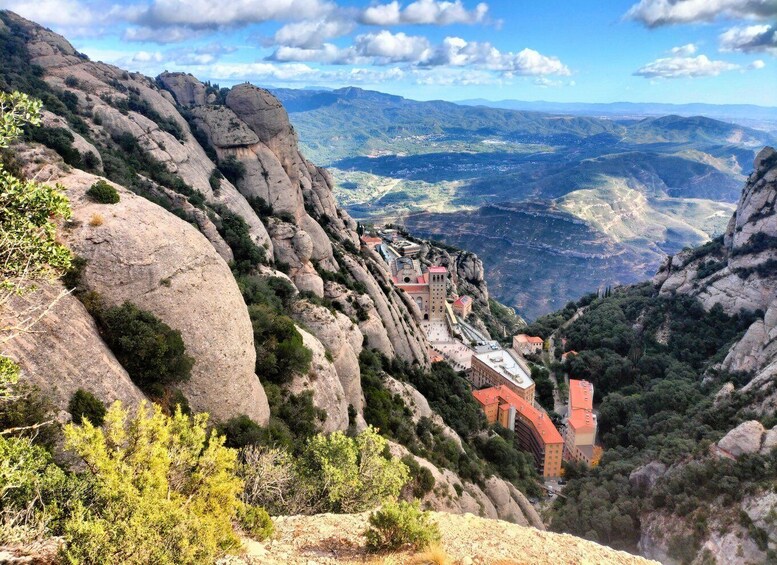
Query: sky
(669, 51)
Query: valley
(533, 194)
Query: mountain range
(532, 193)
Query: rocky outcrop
(737, 273)
(63, 351)
(419, 407)
(342, 339)
(138, 252)
(748, 438)
(188, 91)
(333, 539)
(744, 439)
(323, 381)
(643, 478)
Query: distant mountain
(638, 187)
(720, 111)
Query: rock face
(745, 438)
(64, 351)
(138, 252)
(188, 91)
(744, 276)
(343, 340)
(329, 539)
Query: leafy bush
(236, 233)
(232, 169)
(256, 522)
(398, 525)
(215, 180)
(35, 494)
(27, 225)
(58, 139)
(84, 405)
(164, 490)
(352, 474)
(280, 353)
(334, 473)
(103, 193)
(150, 350)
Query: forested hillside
(684, 375)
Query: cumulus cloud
(432, 12)
(206, 14)
(654, 13)
(684, 67)
(684, 50)
(756, 65)
(168, 34)
(54, 13)
(750, 39)
(311, 34)
(384, 48)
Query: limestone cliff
(739, 273)
(164, 248)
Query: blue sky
(677, 51)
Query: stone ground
(466, 539)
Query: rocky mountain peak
(756, 209)
(738, 270)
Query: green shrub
(256, 522)
(241, 431)
(232, 169)
(352, 474)
(84, 405)
(399, 525)
(35, 494)
(163, 490)
(103, 193)
(235, 231)
(215, 180)
(150, 350)
(280, 352)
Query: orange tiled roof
(582, 420)
(523, 338)
(438, 270)
(539, 419)
(462, 300)
(581, 395)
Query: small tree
(103, 193)
(398, 525)
(84, 405)
(151, 351)
(352, 474)
(164, 490)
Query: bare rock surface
(323, 381)
(187, 89)
(746, 438)
(335, 538)
(138, 252)
(64, 352)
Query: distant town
(500, 377)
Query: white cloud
(207, 14)
(750, 39)
(388, 47)
(684, 50)
(655, 13)
(684, 67)
(423, 12)
(167, 34)
(384, 47)
(54, 13)
(756, 65)
(311, 34)
(147, 57)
